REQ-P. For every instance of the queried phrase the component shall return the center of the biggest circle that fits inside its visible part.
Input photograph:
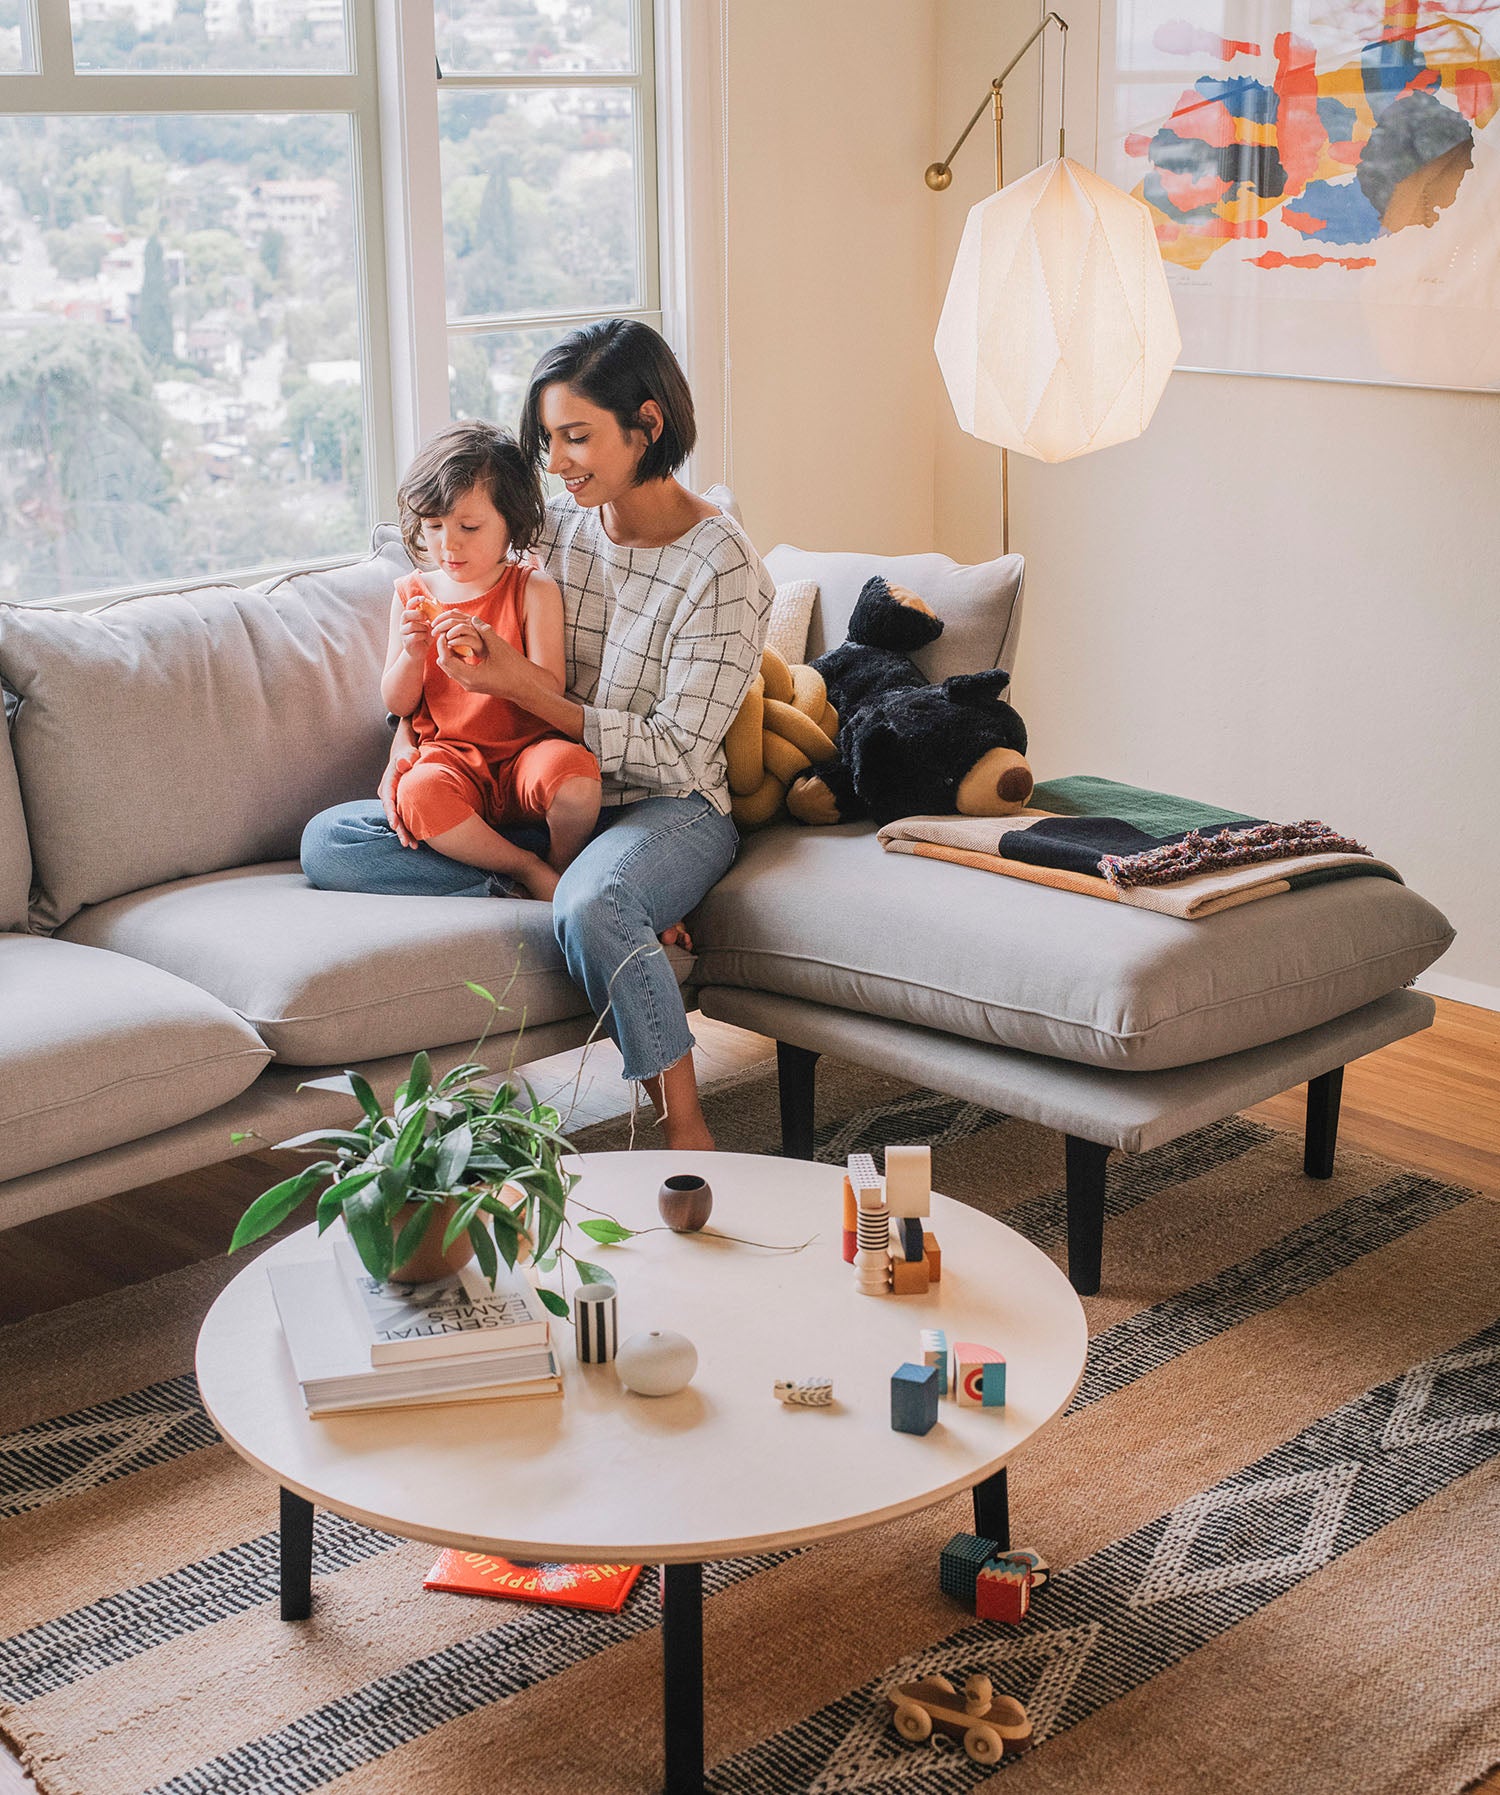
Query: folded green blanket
(1134, 837)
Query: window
(547, 152)
(190, 288)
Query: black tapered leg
(1323, 1095)
(1086, 1162)
(682, 1676)
(795, 1082)
(296, 1556)
(992, 1509)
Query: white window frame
(678, 185)
(57, 88)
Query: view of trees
(181, 388)
(179, 338)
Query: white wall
(1283, 596)
(831, 270)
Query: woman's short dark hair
(617, 365)
(472, 453)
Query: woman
(665, 605)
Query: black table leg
(796, 1085)
(296, 1556)
(682, 1676)
(992, 1509)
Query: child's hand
(416, 628)
(460, 636)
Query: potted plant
(453, 1166)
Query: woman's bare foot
(674, 1097)
(676, 936)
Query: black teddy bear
(907, 747)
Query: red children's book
(603, 1587)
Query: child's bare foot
(676, 936)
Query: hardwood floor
(1432, 1101)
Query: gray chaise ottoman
(1120, 1027)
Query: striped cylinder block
(874, 1231)
(596, 1323)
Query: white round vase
(656, 1364)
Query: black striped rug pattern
(1113, 1621)
(415, 1700)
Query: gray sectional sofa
(168, 978)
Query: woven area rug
(1272, 1511)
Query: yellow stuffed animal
(785, 726)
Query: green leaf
(479, 991)
(608, 1233)
(456, 1075)
(273, 1206)
(368, 1101)
(410, 1137)
(336, 1081)
(392, 1189)
(325, 1137)
(484, 1249)
(452, 1155)
(463, 1213)
(239, 1135)
(551, 1300)
(370, 1229)
(592, 1274)
(410, 1237)
(419, 1081)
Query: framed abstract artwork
(1324, 176)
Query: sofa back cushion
(980, 606)
(15, 855)
(184, 732)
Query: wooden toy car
(989, 1725)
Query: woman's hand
(502, 671)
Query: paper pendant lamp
(1057, 335)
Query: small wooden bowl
(685, 1202)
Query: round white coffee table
(719, 1470)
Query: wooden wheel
(984, 1745)
(912, 1722)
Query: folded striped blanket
(1128, 845)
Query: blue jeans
(646, 866)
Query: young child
(470, 506)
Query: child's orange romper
(478, 755)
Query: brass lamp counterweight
(1057, 334)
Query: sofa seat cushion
(331, 977)
(825, 914)
(96, 1050)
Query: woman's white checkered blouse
(662, 645)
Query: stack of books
(359, 1344)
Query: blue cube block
(962, 1559)
(911, 1238)
(914, 1399)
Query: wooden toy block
(866, 1180)
(1041, 1571)
(851, 1219)
(914, 1399)
(960, 1563)
(978, 1376)
(935, 1353)
(804, 1392)
(871, 1272)
(874, 1231)
(908, 1230)
(908, 1276)
(1002, 1590)
(908, 1180)
(933, 1254)
(851, 1245)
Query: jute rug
(1273, 1510)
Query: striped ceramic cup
(596, 1322)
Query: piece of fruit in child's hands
(432, 610)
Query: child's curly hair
(465, 455)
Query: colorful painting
(1324, 176)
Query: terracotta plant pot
(430, 1262)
